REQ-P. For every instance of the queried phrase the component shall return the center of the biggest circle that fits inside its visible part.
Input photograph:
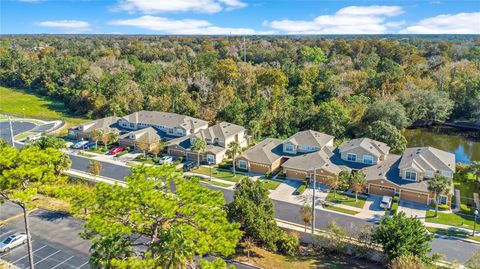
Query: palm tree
(199, 146)
(113, 137)
(358, 183)
(235, 149)
(439, 185)
(333, 182)
(95, 136)
(306, 214)
(474, 168)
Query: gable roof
(267, 151)
(318, 160)
(108, 123)
(221, 130)
(147, 135)
(374, 147)
(311, 138)
(165, 119)
(427, 158)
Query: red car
(116, 150)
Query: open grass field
(19, 103)
(344, 199)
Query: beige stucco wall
(360, 153)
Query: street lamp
(475, 221)
(210, 167)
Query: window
(352, 157)
(179, 132)
(210, 158)
(367, 159)
(410, 175)
(443, 199)
(170, 130)
(289, 148)
(242, 164)
(447, 173)
(132, 125)
(428, 173)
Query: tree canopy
(159, 219)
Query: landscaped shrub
(301, 188)
(288, 244)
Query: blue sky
(239, 17)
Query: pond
(464, 144)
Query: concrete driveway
(413, 209)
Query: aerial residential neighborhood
(239, 134)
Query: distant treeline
(344, 86)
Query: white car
(80, 144)
(386, 202)
(14, 240)
(166, 159)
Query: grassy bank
(19, 103)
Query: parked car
(79, 145)
(89, 145)
(14, 240)
(116, 150)
(386, 202)
(166, 159)
(189, 166)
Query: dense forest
(274, 86)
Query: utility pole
(244, 50)
(11, 131)
(313, 198)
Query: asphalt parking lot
(55, 240)
(17, 126)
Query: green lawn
(18, 102)
(345, 200)
(271, 184)
(221, 174)
(451, 219)
(466, 191)
(89, 155)
(342, 210)
(453, 233)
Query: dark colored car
(189, 166)
(89, 145)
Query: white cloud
(348, 20)
(69, 26)
(387, 11)
(184, 27)
(158, 6)
(461, 23)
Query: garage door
(414, 196)
(295, 175)
(381, 190)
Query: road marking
(82, 265)
(1, 235)
(27, 254)
(47, 257)
(62, 262)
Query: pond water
(464, 144)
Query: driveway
(413, 209)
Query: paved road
(455, 250)
(55, 240)
(18, 128)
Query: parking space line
(47, 257)
(64, 261)
(27, 255)
(2, 235)
(82, 265)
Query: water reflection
(464, 144)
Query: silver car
(166, 159)
(14, 240)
